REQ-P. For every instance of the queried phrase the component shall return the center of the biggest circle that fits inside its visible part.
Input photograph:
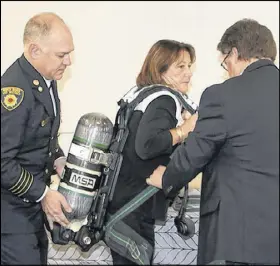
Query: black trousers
(227, 262)
(240, 263)
(144, 226)
(24, 249)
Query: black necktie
(52, 97)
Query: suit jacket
(29, 146)
(236, 145)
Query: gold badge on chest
(36, 82)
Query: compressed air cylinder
(81, 177)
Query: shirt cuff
(44, 194)
(64, 157)
(56, 161)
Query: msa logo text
(81, 180)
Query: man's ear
(235, 54)
(34, 51)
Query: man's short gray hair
(39, 26)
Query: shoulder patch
(11, 97)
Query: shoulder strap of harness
(126, 109)
(186, 103)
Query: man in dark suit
(235, 144)
(30, 154)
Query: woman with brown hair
(157, 126)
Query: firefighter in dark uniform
(30, 119)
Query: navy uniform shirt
(29, 146)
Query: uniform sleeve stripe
(26, 185)
(22, 183)
(14, 186)
(31, 179)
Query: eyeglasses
(223, 65)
